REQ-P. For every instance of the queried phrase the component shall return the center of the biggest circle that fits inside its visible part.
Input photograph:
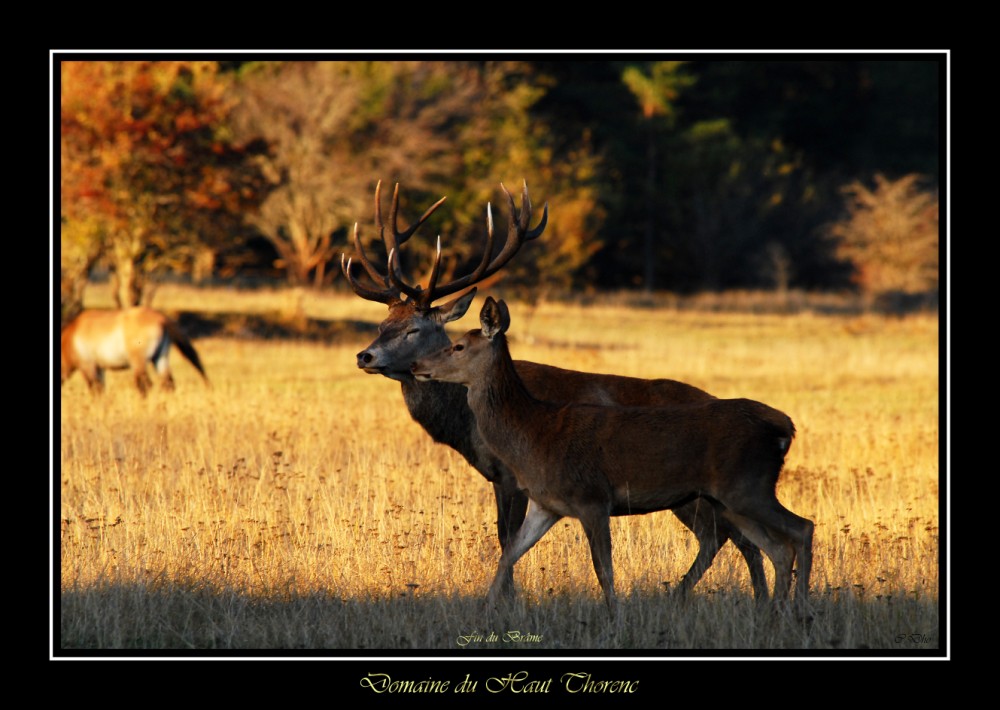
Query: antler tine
(432, 279)
(399, 238)
(391, 283)
(517, 230)
(526, 214)
(393, 239)
(517, 234)
(386, 296)
(422, 297)
(480, 271)
(373, 273)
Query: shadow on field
(194, 620)
(131, 619)
(272, 326)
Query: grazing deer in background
(415, 328)
(99, 340)
(591, 461)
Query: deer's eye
(458, 347)
(413, 331)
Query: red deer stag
(414, 328)
(99, 340)
(592, 461)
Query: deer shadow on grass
(192, 619)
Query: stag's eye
(413, 331)
(458, 348)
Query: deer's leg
(699, 517)
(804, 556)
(512, 504)
(167, 381)
(754, 559)
(536, 523)
(712, 531)
(597, 526)
(161, 363)
(797, 532)
(137, 361)
(94, 376)
(800, 531)
(142, 381)
(774, 543)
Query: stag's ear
(454, 309)
(494, 318)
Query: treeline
(659, 175)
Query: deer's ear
(494, 318)
(504, 316)
(454, 309)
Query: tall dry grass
(295, 505)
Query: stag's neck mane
(441, 409)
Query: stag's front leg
(537, 522)
(512, 504)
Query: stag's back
(555, 384)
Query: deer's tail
(183, 343)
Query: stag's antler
(392, 240)
(393, 285)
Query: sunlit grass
(295, 504)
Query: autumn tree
(336, 127)
(150, 176)
(437, 128)
(890, 235)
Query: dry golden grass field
(294, 506)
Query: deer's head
(469, 357)
(414, 327)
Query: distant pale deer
(99, 340)
(415, 328)
(591, 461)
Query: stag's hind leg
(712, 531)
(776, 546)
(754, 559)
(785, 537)
(699, 517)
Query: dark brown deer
(591, 461)
(415, 328)
(98, 340)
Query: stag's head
(468, 358)
(414, 326)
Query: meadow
(294, 507)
